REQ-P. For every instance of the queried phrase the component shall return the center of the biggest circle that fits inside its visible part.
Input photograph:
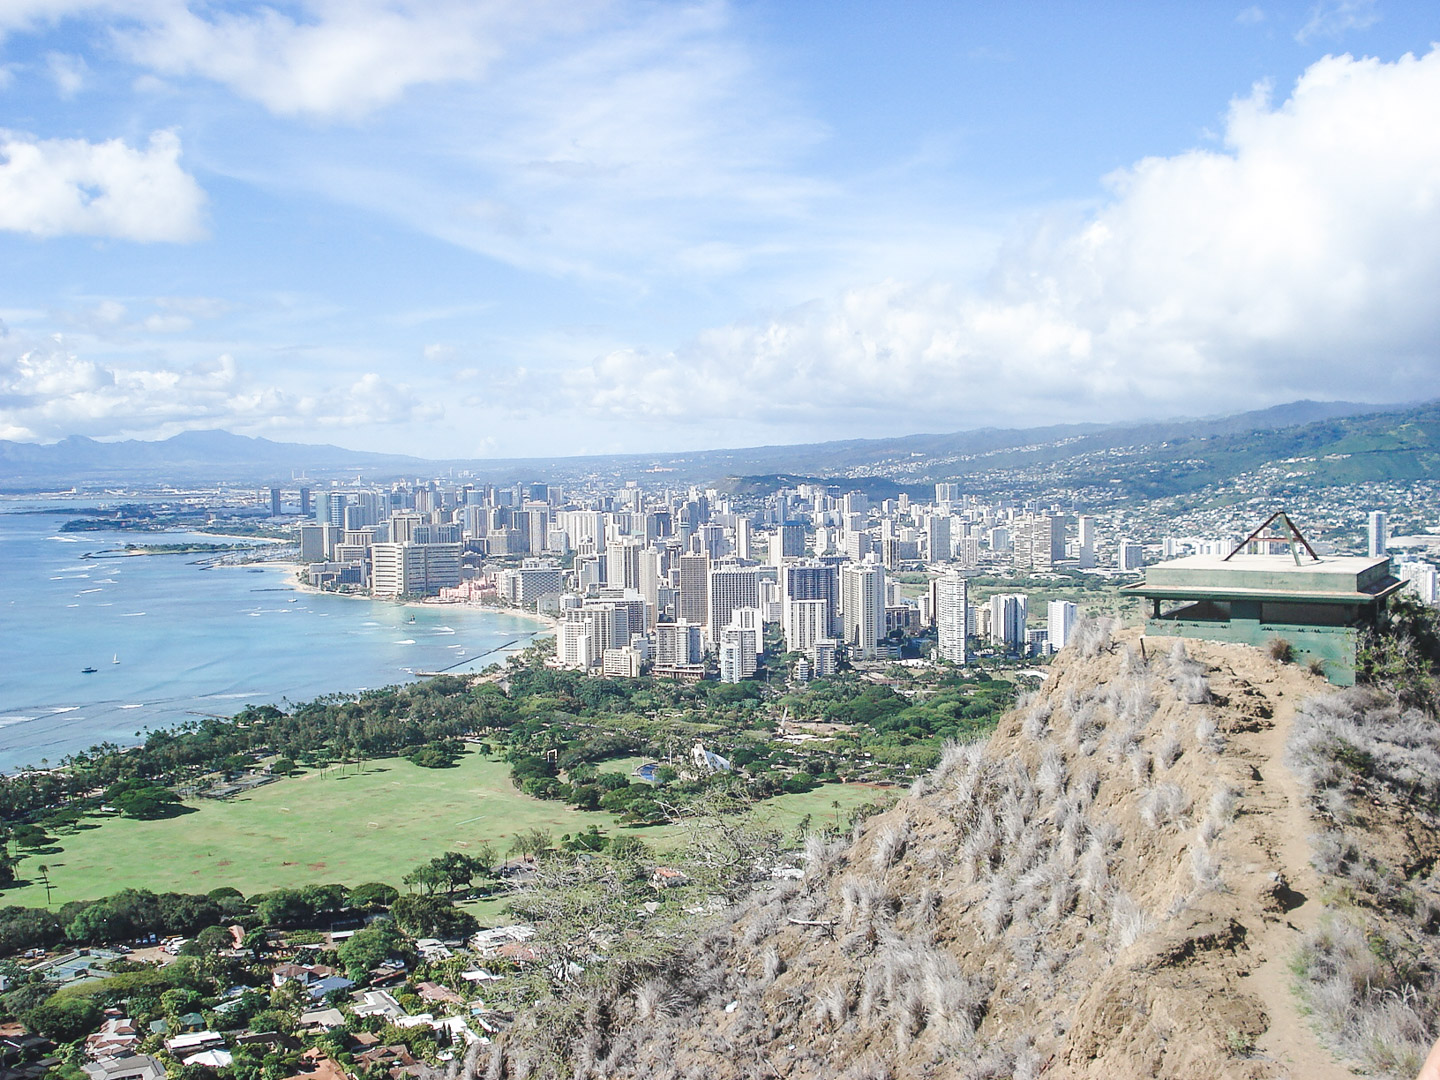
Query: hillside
(1152, 457)
(1119, 883)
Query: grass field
(374, 825)
(787, 811)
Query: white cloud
(1251, 16)
(55, 187)
(338, 57)
(1301, 260)
(48, 391)
(1335, 18)
(655, 143)
(67, 72)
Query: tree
(426, 876)
(179, 1002)
(64, 1019)
(367, 949)
(372, 896)
(531, 843)
(432, 916)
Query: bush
(432, 916)
(65, 1020)
(1280, 650)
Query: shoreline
(294, 571)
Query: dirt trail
(1279, 827)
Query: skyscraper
(694, 589)
(731, 587)
(811, 580)
(622, 562)
(862, 607)
(1378, 541)
(1008, 612)
(1061, 616)
(937, 537)
(951, 616)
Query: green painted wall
(1333, 646)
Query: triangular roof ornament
(1290, 533)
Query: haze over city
(475, 230)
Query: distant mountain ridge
(908, 460)
(212, 454)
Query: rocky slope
(1116, 884)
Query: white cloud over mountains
(58, 187)
(47, 391)
(1302, 259)
(640, 150)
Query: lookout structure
(1319, 604)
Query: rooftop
(1356, 579)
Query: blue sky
(531, 228)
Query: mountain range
(1341, 442)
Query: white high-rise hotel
(862, 607)
(951, 611)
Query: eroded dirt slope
(1111, 886)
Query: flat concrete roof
(1352, 579)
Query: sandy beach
(295, 574)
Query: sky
(497, 228)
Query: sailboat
(117, 659)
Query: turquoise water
(189, 640)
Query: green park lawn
(374, 825)
(787, 811)
(370, 825)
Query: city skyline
(494, 230)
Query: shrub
(1280, 650)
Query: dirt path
(1274, 809)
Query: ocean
(172, 640)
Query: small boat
(411, 619)
(117, 659)
(88, 670)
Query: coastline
(294, 570)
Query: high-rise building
(806, 622)
(1038, 541)
(937, 538)
(1060, 618)
(275, 506)
(1085, 553)
(305, 502)
(1130, 555)
(622, 562)
(408, 569)
(744, 536)
(312, 543)
(862, 607)
(791, 537)
(1008, 612)
(676, 644)
(811, 580)
(731, 586)
(952, 611)
(737, 648)
(1420, 579)
(947, 493)
(713, 542)
(1377, 541)
(694, 586)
